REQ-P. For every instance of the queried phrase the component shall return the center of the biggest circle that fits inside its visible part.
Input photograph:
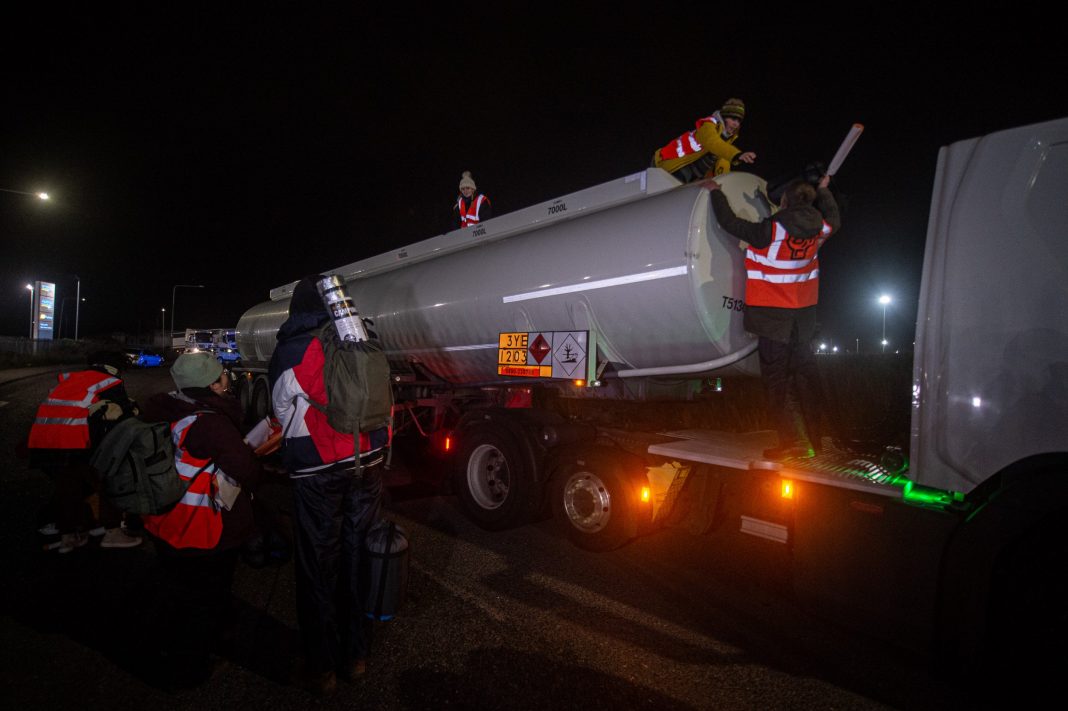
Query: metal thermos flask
(346, 319)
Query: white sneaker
(118, 538)
(70, 541)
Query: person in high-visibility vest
(781, 293)
(199, 540)
(68, 425)
(708, 150)
(472, 207)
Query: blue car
(143, 358)
(228, 355)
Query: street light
(176, 287)
(30, 287)
(40, 196)
(163, 324)
(884, 300)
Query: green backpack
(358, 390)
(135, 461)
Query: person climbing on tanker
(336, 498)
(781, 293)
(708, 149)
(471, 206)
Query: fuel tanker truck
(630, 291)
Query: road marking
(584, 596)
(459, 592)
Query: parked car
(144, 358)
(228, 355)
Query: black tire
(260, 405)
(493, 480)
(1027, 624)
(591, 504)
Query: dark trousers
(72, 485)
(792, 387)
(193, 607)
(332, 512)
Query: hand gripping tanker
(958, 557)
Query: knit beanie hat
(733, 108)
(467, 181)
(306, 298)
(195, 370)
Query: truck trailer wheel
(260, 402)
(591, 505)
(493, 481)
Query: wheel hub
(587, 502)
(488, 477)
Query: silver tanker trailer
(633, 289)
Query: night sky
(243, 148)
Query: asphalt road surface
(512, 620)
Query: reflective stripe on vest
(687, 143)
(784, 274)
(195, 521)
(62, 420)
(470, 218)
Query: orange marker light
(787, 489)
(448, 444)
(646, 495)
(579, 383)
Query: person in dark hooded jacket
(335, 502)
(199, 539)
(781, 292)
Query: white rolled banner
(843, 150)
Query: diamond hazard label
(539, 349)
(569, 356)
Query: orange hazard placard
(525, 371)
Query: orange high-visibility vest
(62, 420)
(786, 272)
(469, 216)
(687, 143)
(196, 520)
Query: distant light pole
(884, 300)
(163, 324)
(77, 298)
(176, 287)
(30, 287)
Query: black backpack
(135, 461)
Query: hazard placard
(543, 354)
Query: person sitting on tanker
(781, 292)
(709, 149)
(471, 206)
(70, 423)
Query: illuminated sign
(45, 297)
